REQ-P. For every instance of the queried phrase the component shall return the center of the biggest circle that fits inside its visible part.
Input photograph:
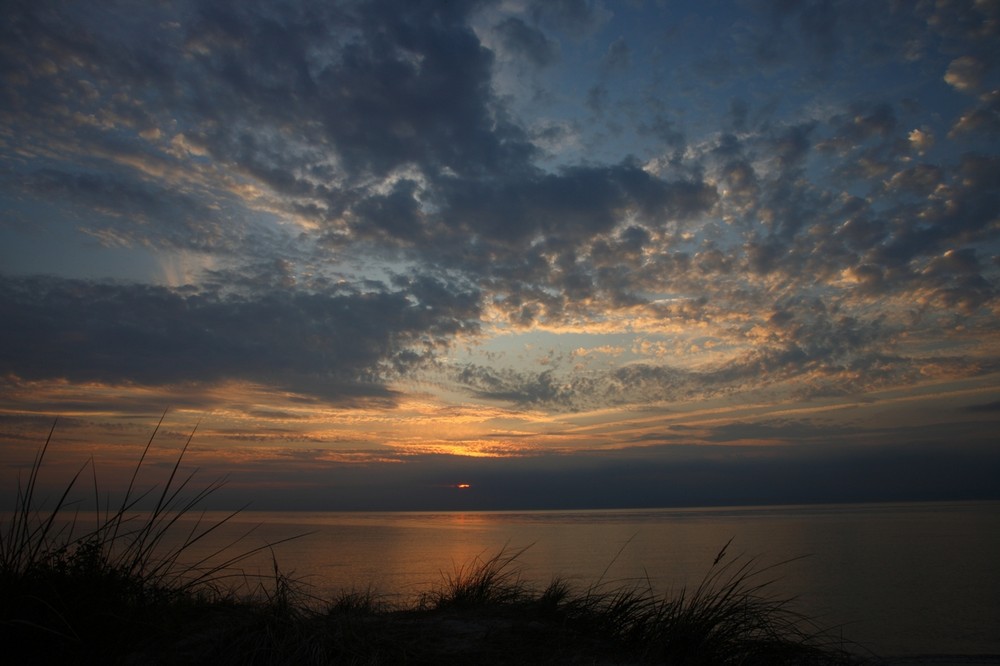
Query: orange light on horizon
(463, 486)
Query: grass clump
(729, 618)
(490, 581)
(95, 592)
(118, 593)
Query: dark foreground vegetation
(113, 593)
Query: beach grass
(116, 592)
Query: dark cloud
(374, 99)
(920, 180)
(957, 215)
(792, 145)
(859, 125)
(396, 214)
(618, 56)
(575, 17)
(987, 407)
(339, 113)
(276, 97)
(578, 202)
(543, 388)
(984, 117)
(647, 476)
(337, 344)
(363, 83)
(326, 133)
(525, 41)
(838, 355)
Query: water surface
(899, 578)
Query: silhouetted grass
(118, 593)
(729, 618)
(482, 582)
(95, 593)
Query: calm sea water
(898, 578)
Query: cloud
(337, 344)
(957, 215)
(118, 208)
(858, 126)
(376, 99)
(618, 56)
(318, 151)
(578, 18)
(578, 202)
(965, 73)
(543, 388)
(984, 117)
(792, 146)
(676, 475)
(522, 40)
(920, 180)
(987, 407)
(801, 349)
(921, 140)
(337, 122)
(366, 79)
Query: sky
(407, 254)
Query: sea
(893, 579)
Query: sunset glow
(655, 253)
